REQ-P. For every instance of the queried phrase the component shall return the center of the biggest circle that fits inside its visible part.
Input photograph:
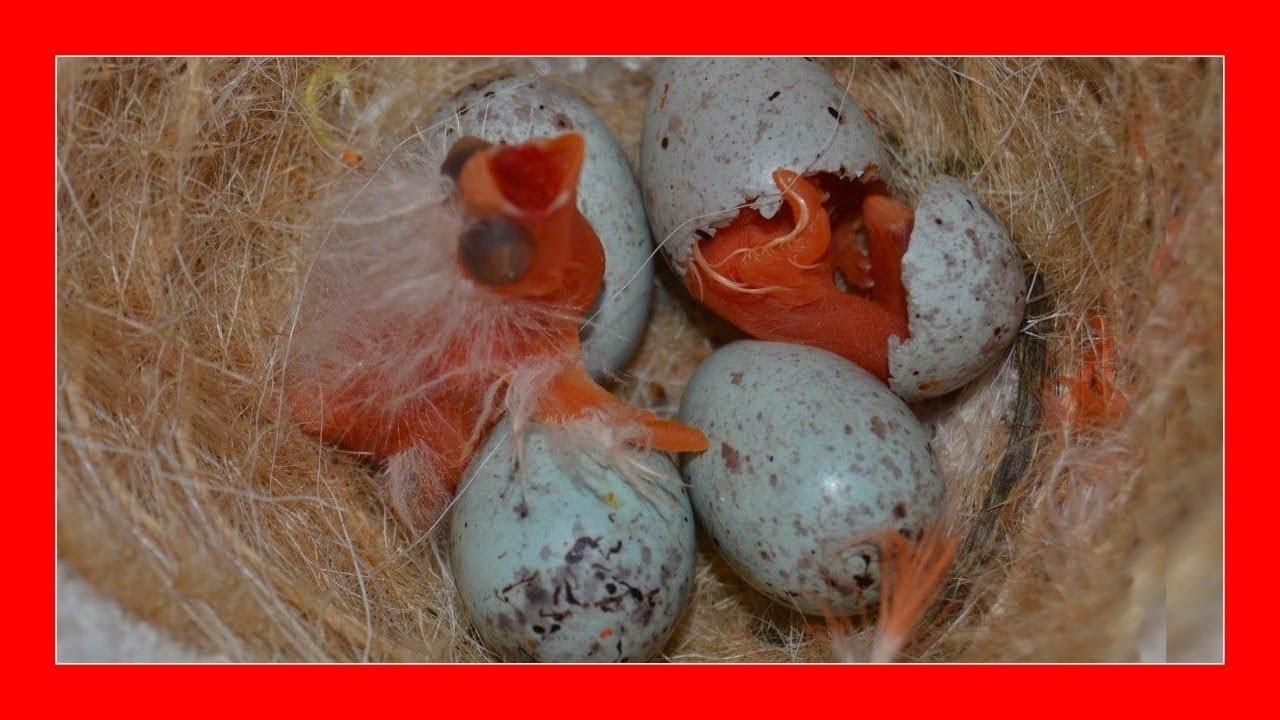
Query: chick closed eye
(496, 250)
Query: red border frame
(645, 28)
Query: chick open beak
(529, 236)
(526, 238)
(531, 180)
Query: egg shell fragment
(561, 559)
(516, 109)
(809, 455)
(966, 293)
(715, 129)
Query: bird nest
(1087, 468)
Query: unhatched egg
(515, 109)
(560, 558)
(809, 457)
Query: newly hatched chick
(444, 293)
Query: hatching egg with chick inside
(767, 189)
(810, 458)
(515, 109)
(559, 557)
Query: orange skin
(774, 278)
(535, 185)
(1093, 397)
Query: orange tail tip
(911, 574)
(574, 393)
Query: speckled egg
(966, 293)
(809, 455)
(715, 129)
(559, 558)
(516, 109)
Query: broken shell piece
(966, 293)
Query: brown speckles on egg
(730, 457)
(877, 426)
(762, 129)
(977, 248)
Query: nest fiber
(1086, 471)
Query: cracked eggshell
(966, 293)
(563, 559)
(715, 129)
(809, 453)
(515, 109)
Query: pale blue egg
(560, 558)
(809, 456)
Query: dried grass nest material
(186, 494)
